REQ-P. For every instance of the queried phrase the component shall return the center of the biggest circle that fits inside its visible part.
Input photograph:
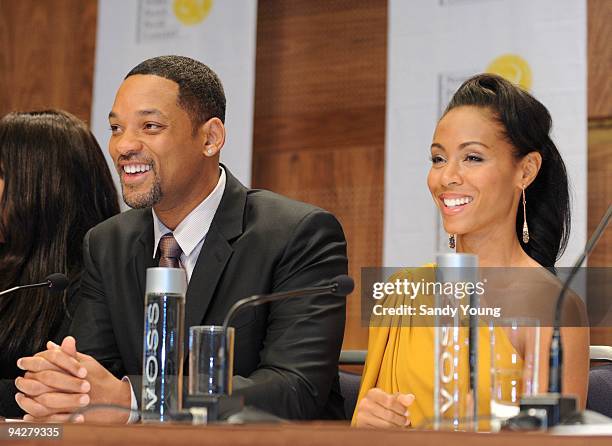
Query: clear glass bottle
(164, 322)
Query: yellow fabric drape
(401, 353)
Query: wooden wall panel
(320, 118)
(600, 197)
(320, 74)
(47, 55)
(600, 186)
(599, 58)
(600, 136)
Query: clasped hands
(60, 380)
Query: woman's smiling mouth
(453, 204)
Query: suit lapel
(140, 259)
(215, 254)
(143, 256)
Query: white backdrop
(220, 33)
(433, 47)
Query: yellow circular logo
(513, 68)
(191, 12)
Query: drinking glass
(515, 364)
(211, 360)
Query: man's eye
(114, 128)
(152, 126)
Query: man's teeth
(136, 168)
(452, 202)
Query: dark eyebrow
(146, 112)
(463, 145)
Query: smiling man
(167, 125)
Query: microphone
(55, 282)
(558, 407)
(217, 405)
(338, 286)
(555, 370)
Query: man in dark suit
(167, 132)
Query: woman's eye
(473, 158)
(436, 159)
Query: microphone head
(57, 282)
(343, 285)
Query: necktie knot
(170, 251)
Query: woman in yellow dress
(501, 187)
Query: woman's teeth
(452, 202)
(136, 168)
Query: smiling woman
(476, 180)
(502, 190)
(493, 146)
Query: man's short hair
(200, 90)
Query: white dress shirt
(190, 235)
(191, 232)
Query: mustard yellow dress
(400, 354)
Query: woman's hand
(381, 409)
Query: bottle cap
(456, 267)
(166, 281)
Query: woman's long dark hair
(57, 185)
(527, 124)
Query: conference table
(290, 434)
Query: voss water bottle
(162, 363)
(455, 345)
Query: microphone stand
(24, 287)
(55, 282)
(557, 406)
(260, 299)
(556, 348)
(219, 405)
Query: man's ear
(212, 133)
(529, 168)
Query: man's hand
(381, 409)
(60, 380)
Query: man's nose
(125, 144)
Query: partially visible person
(54, 186)
(502, 190)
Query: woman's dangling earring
(525, 228)
(451, 241)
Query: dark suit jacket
(286, 353)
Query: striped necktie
(170, 252)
